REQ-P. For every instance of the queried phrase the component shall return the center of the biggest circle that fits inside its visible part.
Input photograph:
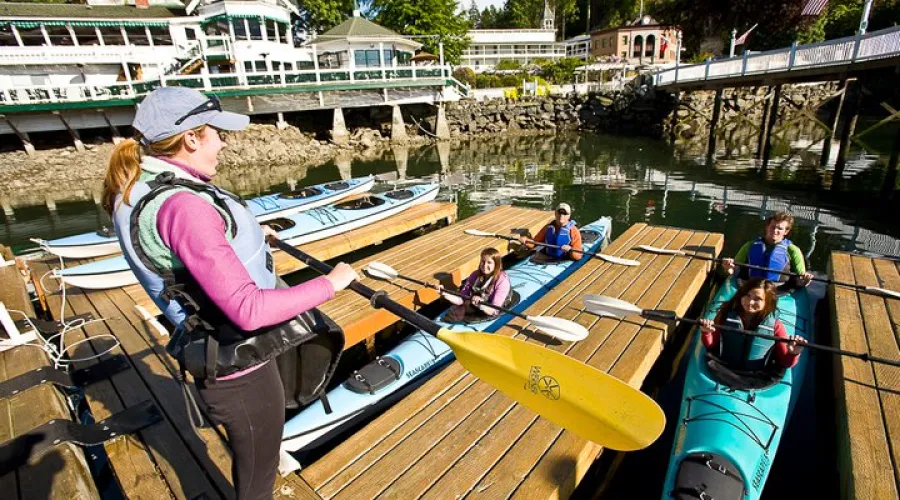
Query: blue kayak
(730, 423)
(296, 229)
(271, 206)
(391, 376)
(322, 222)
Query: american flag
(814, 7)
(741, 40)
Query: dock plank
(867, 432)
(455, 436)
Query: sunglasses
(562, 212)
(210, 105)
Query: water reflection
(632, 179)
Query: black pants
(251, 408)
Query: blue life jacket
(206, 343)
(743, 352)
(563, 237)
(776, 257)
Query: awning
(29, 25)
(225, 17)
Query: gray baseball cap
(168, 111)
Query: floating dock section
(867, 395)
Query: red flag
(741, 40)
(814, 7)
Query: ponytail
(125, 165)
(123, 171)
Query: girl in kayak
(752, 308)
(202, 257)
(487, 285)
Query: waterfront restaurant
(642, 41)
(103, 43)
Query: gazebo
(358, 42)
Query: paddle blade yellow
(569, 393)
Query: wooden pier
(374, 234)
(170, 460)
(867, 395)
(457, 437)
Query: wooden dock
(170, 460)
(374, 234)
(456, 436)
(867, 395)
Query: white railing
(213, 82)
(875, 45)
(91, 54)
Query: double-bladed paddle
(559, 328)
(862, 288)
(569, 393)
(609, 306)
(602, 256)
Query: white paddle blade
(559, 328)
(881, 291)
(666, 251)
(475, 232)
(381, 271)
(601, 304)
(618, 260)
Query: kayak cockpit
(299, 194)
(360, 203)
(280, 224)
(745, 380)
(706, 476)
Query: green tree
(474, 16)
(322, 15)
(437, 19)
(841, 18)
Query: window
(368, 58)
(239, 32)
(31, 37)
(625, 40)
(86, 35)
(260, 66)
(161, 35)
(603, 43)
(270, 30)
(255, 29)
(137, 35)
(112, 36)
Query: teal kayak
(419, 355)
(729, 427)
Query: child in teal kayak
(487, 285)
(774, 251)
(751, 308)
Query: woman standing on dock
(202, 257)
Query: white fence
(210, 82)
(881, 44)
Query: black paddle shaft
(671, 316)
(378, 299)
(542, 244)
(451, 292)
(769, 269)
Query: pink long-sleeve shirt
(195, 231)
(499, 292)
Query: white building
(489, 47)
(578, 46)
(109, 42)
